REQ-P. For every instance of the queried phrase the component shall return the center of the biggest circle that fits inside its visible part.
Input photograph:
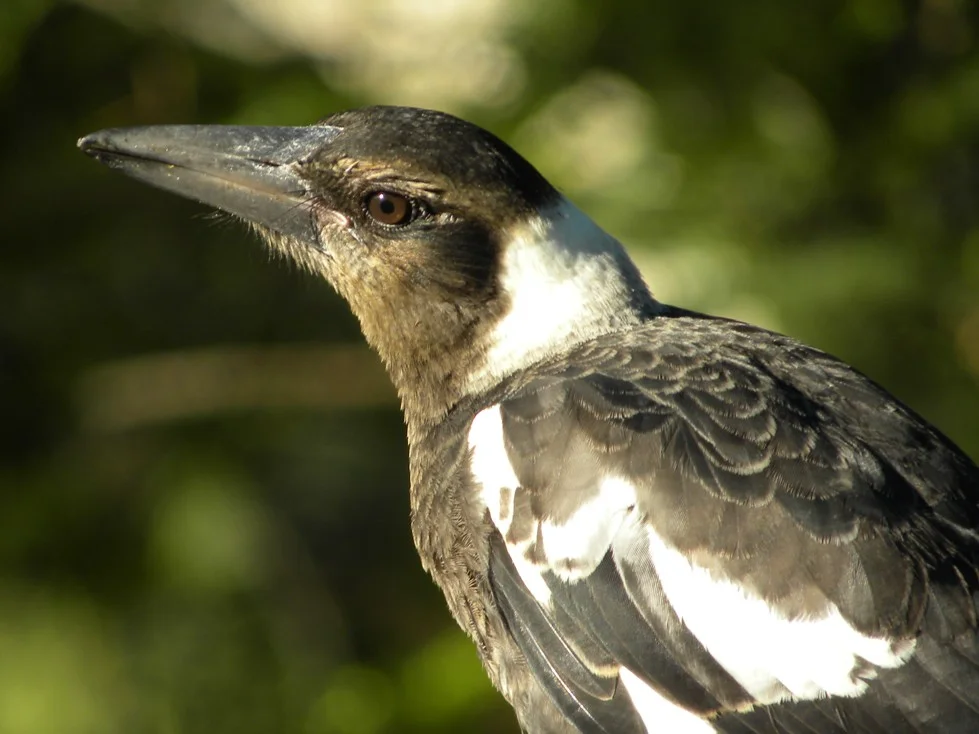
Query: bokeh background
(203, 484)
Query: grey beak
(251, 172)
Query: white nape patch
(573, 548)
(658, 713)
(772, 657)
(567, 280)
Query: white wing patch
(773, 658)
(572, 548)
(491, 468)
(659, 714)
(575, 547)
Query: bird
(646, 518)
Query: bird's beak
(251, 172)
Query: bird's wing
(700, 519)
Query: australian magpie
(646, 518)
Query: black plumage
(645, 518)
(795, 474)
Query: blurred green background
(203, 484)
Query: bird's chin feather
(317, 258)
(289, 249)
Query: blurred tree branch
(159, 388)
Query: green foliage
(204, 518)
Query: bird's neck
(428, 349)
(561, 281)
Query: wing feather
(592, 701)
(772, 467)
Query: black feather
(790, 474)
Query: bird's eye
(389, 208)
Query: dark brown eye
(387, 207)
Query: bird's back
(701, 518)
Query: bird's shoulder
(642, 482)
(729, 412)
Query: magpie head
(461, 262)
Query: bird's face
(431, 228)
(410, 213)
